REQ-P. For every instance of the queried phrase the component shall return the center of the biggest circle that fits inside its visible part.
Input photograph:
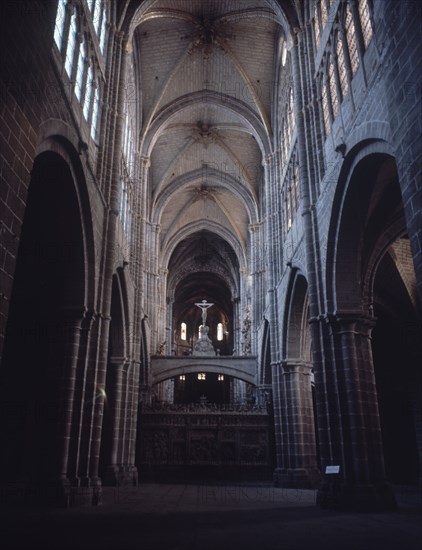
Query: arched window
(183, 331)
(219, 331)
(351, 39)
(365, 22)
(202, 376)
(221, 377)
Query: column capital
(296, 365)
(349, 321)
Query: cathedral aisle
(213, 517)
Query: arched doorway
(48, 291)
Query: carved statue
(204, 305)
(246, 331)
(160, 348)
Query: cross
(204, 305)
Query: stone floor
(213, 517)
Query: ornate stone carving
(246, 331)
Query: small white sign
(332, 469)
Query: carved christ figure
(204, 305)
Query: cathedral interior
(210, 248)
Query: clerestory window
(80, 58)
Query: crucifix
(204, 305)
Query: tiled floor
(213, 517)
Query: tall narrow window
(351, 40)
(219, 331)
(333, 89)
(296, 190)
(96, 15)
(365, 21)
(221, 377)
(59, 25)
(323, 15)
(291, 114)
(342, 67)
(80, 71)
(183, 331)
(88, 91)
(125, 212)
(325, 109)
(103, 31)
(71, 43)
(288, 211)
(283, 54)
(80, 59)
(95, 112)
(316, 25)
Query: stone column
(296, 459)
(114, 397)
(95, 379)
(361, 483)
(76, 322)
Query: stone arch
(344, 277)
(211, 99)
(216, 178)
(56, 136)
(51, 291)
(214, 366)
(296, 338)
(169, 246)
(288, 19)
(194, 267)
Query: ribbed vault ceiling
(206, 73)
